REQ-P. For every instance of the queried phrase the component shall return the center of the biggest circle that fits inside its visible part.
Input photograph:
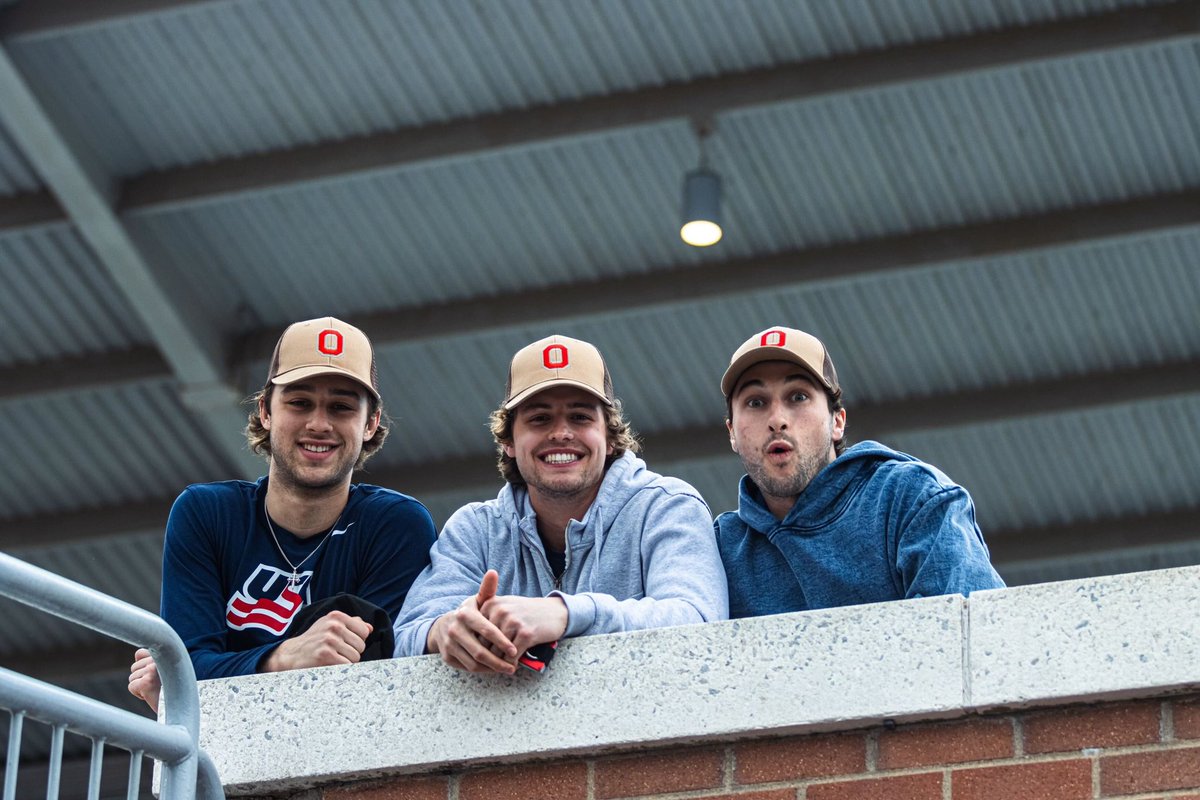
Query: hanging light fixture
(701, 201)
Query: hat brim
(529, 392)
(300, 373)
(732, 375)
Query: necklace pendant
(293, 582)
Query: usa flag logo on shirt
(266, 601)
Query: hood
(825, 497)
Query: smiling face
(317, 428)
(783, 430)
(560, 443)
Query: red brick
(1037, 780)
(1100, 726)
(946, 743)
(659, 773)
(773, 794)
(1187, 719)
(423, 788)
(925, 786)
(800, 757)
(1150, 772)
(560, 781)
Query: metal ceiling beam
(72, 375)
(684, 285)
(55, 17)
(476, 474)
(1160, 529)
(188, 343)
(24, 212)
(704, 98)
(677, 286)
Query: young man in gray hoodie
(820, 524)
(582, 539)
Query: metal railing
(186, 771)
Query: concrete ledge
(1099, 638)
(816, 671)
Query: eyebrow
(802, 377)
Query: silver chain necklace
(294, 581)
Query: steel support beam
(675, 287)
(188, 343)
(684, 285)
(45, 18)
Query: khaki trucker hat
(783, 344)
(557, 361)
(323, 346)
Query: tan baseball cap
(323, 346)
(557, 361)
(783, 344)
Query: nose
(776, 419)
(318, 420)
(561, 431)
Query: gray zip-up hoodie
(643, 556)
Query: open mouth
(316, 448)
(560, 458)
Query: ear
(264, 415)
(509, 451)
(732, 438)
(839, 425)
(372, 426)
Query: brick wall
(1134, 749)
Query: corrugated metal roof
(102, 448)
(1074, 467)
(433, 233)
(202, 82)
(58, 301)
(16, 176)
(992, 144)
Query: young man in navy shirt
(241, 559)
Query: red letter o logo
(555, 357)
(329, 342)
(773, 339)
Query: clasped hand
(488, 632)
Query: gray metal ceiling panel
(993, 144)
(224, 79)
(58, 301)
(1123, 460)
(16, 175)
(433, 233)
(97, 448)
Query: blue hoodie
(874, 525)
(643, 556)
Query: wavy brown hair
(259, 438)
(620, 436)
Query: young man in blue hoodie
(820, 524)
(582, 539)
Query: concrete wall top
(1126, 635)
